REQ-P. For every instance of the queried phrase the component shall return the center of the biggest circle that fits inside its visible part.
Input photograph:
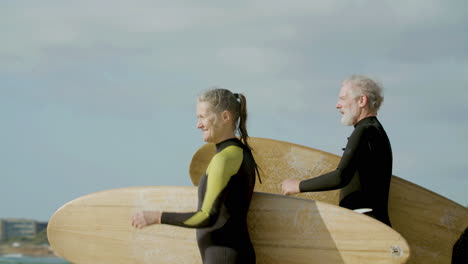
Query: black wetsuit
(460, 249)
(364, 171)
(224, 196)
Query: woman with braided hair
(226, 187)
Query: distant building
(10, 228)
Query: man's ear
(363, 100)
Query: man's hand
(290, 186)
(145, 218)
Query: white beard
(348, 117)
(347, 120)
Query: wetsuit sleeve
(222, 167)
(344, 172)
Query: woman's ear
(226, 116)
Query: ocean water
(29, 260)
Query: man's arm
(335, 179)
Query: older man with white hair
(365, 169)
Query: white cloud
(289, 50)
(253, 60)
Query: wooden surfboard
(96, 229)
(430, 222)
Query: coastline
(28, 251)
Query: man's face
(209, 122)
(348, 105)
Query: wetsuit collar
(228, 142)
(365, 120)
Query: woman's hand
(290, 186)
(145, 218)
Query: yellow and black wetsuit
(224, 196)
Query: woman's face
(210, 123)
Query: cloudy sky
(98, 95)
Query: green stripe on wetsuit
(222, 167)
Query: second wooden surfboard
(430, 222)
